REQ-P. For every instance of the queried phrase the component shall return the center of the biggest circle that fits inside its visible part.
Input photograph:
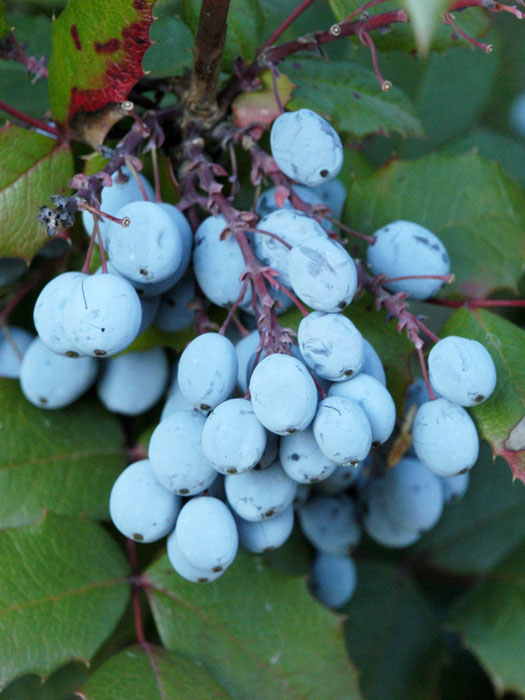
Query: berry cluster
(257, 431)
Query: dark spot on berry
(100, 353)
(183, 492)
(341, 305)
(138, 537)
(269, 513)
(314, 480)
(202, 580)
(463, 471)
(42, 400)
(290, 431)
(270, 549)
(143, 272)
(102, 330)
(71, 353)
(324, 173)
(257, 468)
(295, 457)
(479, 398)
(231, 470)
(216, 569)
(348, 372)
(205, 407)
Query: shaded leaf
(4, 25)
(260, 107)
(351, 97)
(153, 338)
(97, 56)
(172, 51)
(65, 460)
(392, 635)
(62, 593)
(425, 16)
(475, 533)
(393, 348)
(474, 208)
(258, 631)
(155, 674)
(500, 419)
(32, 167)
(245, 26)
(490, 621)
(59, 686)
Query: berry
(404, 248)
(330, 523)
(302, 459)
(342, 430)
(258, 495)
(306, 147)
(462, 370)
(266, 535)
(333, 579)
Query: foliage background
(444, 619)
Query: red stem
(132, 556)
(426, 330)
(362, 236)
(278, 285)
(235, 306)
(287, 22)
(31, 121)
(478, 303)
(425, 374)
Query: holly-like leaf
(65, 460)
(62, 592)
(245, 26)
(500, 419)
(474, 534)
(32, 167)
(392, 635)
(260, 107)
(59, 686)
(172, 51)
(490, 621)
(155, 674)
(474, 208)
(258, 631)
(4, 24)
(95, 61)
(351, 97)
(426, 19)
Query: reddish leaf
(96, 59)
(261, 107)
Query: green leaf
(59, 686)
(172, 50)
(65, 460)
(351, 96)
(425, 16)
(4, 24)
(245, 26)
(155, 674)
(490, 621)
(154, 338)
(32, 167)
(500, 419)
(392, 635)
(475, 533)
(393, 348)
(97, 54)
(62, 593)
(474, 208)
(258, 631)
(260, 106)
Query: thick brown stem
(200, 103)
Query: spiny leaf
(65, 460)
(258, 631)
(61, 593)
(474, 208)
(500, 419)
(155, 674)
(96, 59)
(351, 96)
(490, 621)
(32, 167)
